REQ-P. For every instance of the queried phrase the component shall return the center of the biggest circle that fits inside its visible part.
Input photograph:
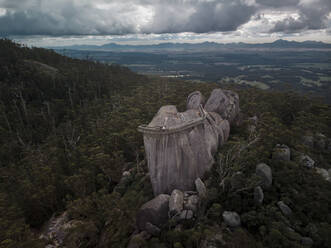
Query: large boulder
(176, 202)
(57, 229)
(154, 212)
(323, 172)
(225, 103)
(265, 173)
(201, 188)
(186, 215)
(192, 203)
(286, 210)
(232, 219)
(282, 152)
(194, 100)
(258, 195)
(180, 147)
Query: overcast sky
(62, 22)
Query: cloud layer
(118, 17)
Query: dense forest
(68, 130)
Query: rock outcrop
(258, 195)
(324, 173)
(180, 145)
(282, 152)
(194, 100)
(176, 202)
(201, 188)
(265, 173)
(154, 212)
(232, 219)
(225, 103)
(57, 229)
(284, 208)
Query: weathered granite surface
(180, 145)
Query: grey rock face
(57, 228)
(186, 215)
(180, 147)
(265, 173)
(284, 208)
(126, 174)
(176, 202)
(232, 219)
(306, 161)
(201, 188)
(154, 211)
(225, 103)
(194, 100)
(258, 195)
(282, 152)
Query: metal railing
(145, 129)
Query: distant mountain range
(278, 44)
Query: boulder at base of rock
(258, 195)
(154, 211)
(176, 202)
(284, 208)
(232, 219)
(186, 215)
(194, 100)
(306, 161)
(282, 152)
(201, 188)
(264, 172)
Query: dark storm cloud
(199, 16)
(313, 15)
(101, 17)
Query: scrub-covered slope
(69, 148)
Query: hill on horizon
(278, 44)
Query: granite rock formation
(180, 145)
